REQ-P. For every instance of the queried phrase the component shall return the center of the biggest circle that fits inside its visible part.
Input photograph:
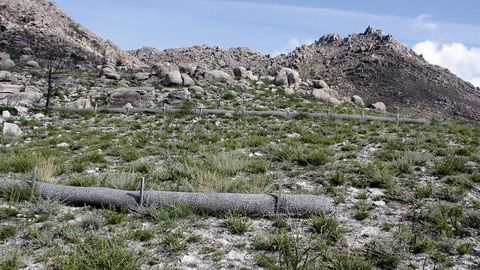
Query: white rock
(6, 114)
(127, 106)
(375, 192)
(39, 116)
(379, 203)
(189, 260)
(63, 145)
(289, 91)
(21, 110)
(10, 129)
(379, 106)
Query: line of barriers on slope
(287, 114)
(298, 205)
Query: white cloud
(459, 59)
(292, 44)
(425, 21)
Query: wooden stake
(34, 176)
(142, 190)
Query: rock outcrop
(138, 97)
(32, 27)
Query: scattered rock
(13, 95)
(21, 110)
(127, 106)
(5, 76)
(320, 94)
(214, 76)
(334, 101)
(5, 62)
(189, 260)
(187, 68)
(288, 78)
(142, 76)
(32, 64)
(289, 91)
(178, 97)
(187, 80)
(6, 114)
(320, 84)
(379, 106)
(138, 97)
(357, 100)
(109, 72)
(83, 103)
(39, 116)
(10, 129)
(173, 77)
(243, 73)
(63, 145)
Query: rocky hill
(28, 28)
(371, 64)
(206, 56)
(376, 67)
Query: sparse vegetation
(377, 180)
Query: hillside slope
(32, 26)
(376, 67)
(371, 64)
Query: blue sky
(278, 26)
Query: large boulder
(243, 73)
(187, 68)
(5, 76)
(13, 95)
(32, 64)
(160, 70)
(379, 106)
(177, 97)
(358, 101)
(5, 62)
(173, 77)
(320, 94)
(321, 84)
(138, 97)
(288, 78)
(109, 72)
(213, 76)
(142, 76)
(83, 103)
(187, 80)
(10, 129)
(326, 95)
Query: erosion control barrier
(287, 114)
(252, 204)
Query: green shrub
(17, 193)
(378, 175)
(7, 231)
(143, 235)
(384, 254)
(343, 261)
(316, 156)
(114, 217)
(293, 252)
(11, 262)
(465, 248)
(7, 212)
(238, 224)
(130, 154)
(99, 253)
(328, 227)
(17, 162)
(451, 165)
